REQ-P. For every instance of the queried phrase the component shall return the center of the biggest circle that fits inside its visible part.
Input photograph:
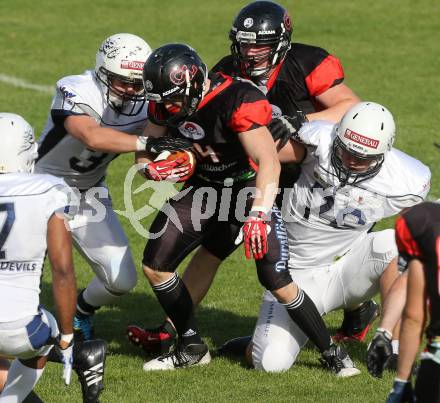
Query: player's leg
(105, 246)
(274, 276)
(427, 388)
(162, 255)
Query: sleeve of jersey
(67, 102)
(252, 113)
(325, 75)
(406, 244)
(62, 199)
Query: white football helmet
(18, 150)
(121, 57)
(367, 132)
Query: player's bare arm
(335, 102)
(59, 245)
(89, 132)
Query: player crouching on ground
(28, 331)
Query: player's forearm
(113, 141)
(409, 344)
(335, 112)
(64, 292)
(267, 184)
(394, 303)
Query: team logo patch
(276, 111)
(178, 76)
(191, 130)
(132, 65)
(148, 85)
(360, 139)
(248, 22)
(67, 93)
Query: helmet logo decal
(178, 77)
(360, 139)
(110, 48)
(287, 21)
(28, 140)
(131, 65)
(248, 22)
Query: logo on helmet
(148, 85)
(110, 48)
(287, 21)
(248, 22)
(360, 139)
(178, 77)
(131, 65)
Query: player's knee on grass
(121, 277)
(273, 357)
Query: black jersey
(230, 107)
(306, 72)
(418, 237)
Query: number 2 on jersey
(5, 229)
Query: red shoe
(356, 323)
(159, 340)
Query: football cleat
(235, 347)
(89, 363)
(180, 357)
(159, 340)
(82, 327)
(356, 323)
(337, 360)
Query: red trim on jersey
(327, 74)
(274, 76)
(216, 90)
(405, 241)
(249, 114)
(253, 164)
(437, 251)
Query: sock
(83, 308)
(303, 312)
(395, 346)
(177, 303)
(21, 380)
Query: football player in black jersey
(225, 120)
(418, 241)
(295, 77)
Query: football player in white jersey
(94, 117)
(28, 331)
(351, 178)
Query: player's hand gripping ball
(175, 166)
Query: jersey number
(87, 161)
(9, 209)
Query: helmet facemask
(349, 176)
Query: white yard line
(18, 82)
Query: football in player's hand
(174, 166)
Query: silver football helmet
(120, 60)
(18, 150)
(367, 132)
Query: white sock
(395, 345)
(21, 380)
(97, 295)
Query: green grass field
(390, 54)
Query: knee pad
(273, 358)
(384, 245)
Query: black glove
(157, 145)
(402, 392)
(379, 352)
(286, 127)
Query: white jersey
(335, 216)
(27, 201)
(60, 154)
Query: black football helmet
(174, 72)
(260, 23)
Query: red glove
(255, 235)
(171, 170)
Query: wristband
(66, 338)
(141, 142)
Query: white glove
(65, 348)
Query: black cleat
(337, 360)
(235, 347)
(89, 363)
